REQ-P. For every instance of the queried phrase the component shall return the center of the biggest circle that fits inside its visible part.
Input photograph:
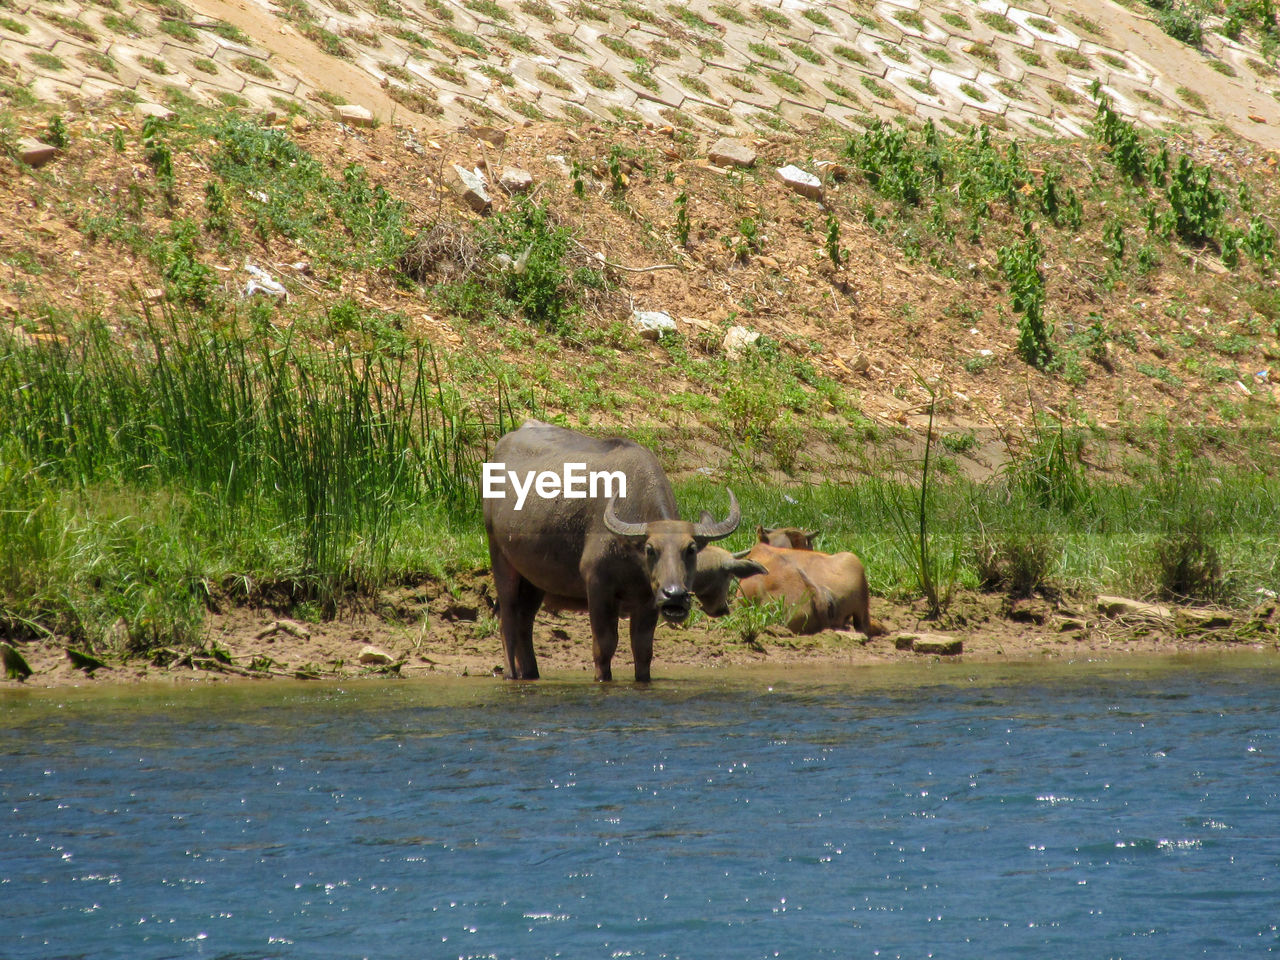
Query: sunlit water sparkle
(948, 812)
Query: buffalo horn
(718, 531)
(623, 528)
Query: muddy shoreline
(260, 645)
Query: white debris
(262, 282)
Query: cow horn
(718, 531)
(623, 528)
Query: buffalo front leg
(603, 611)
(518, 602)
(643, 624)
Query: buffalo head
(669, 553)
(716, 573)
(792, 537)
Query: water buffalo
(821, 590)
(617, 554)
(792, 537)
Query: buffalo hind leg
(643, 624)
(518, 603)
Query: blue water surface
(949, 811)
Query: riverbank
(458, 640)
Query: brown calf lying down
(822, 591)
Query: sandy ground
(444, 636)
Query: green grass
(137, 485)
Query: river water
(947, 811)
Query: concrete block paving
(724, 67)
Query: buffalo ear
(746, 568)
(762, 534)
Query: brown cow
(617, 554)
(822, 591)
(792, 537)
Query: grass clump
(520, 264)
(284, 191)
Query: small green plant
(254, 67)
(877, 88)
(955, 20)
(157, 152)
(818, 17)
(835, 254)
(1182, 22)
(617, 178)
(1196, 205)
(682, 218)
(56, 134)
(766, 52)
(732, 14)
(1113, 241)
(1060, 204)
(1192, 99)
(786, 82)
(850, 54)
(750, 618)
(746, 241)
(998, 22)
(47, 60)
(771, 17)
(1020, 264)
(910, 511)
(909, 18)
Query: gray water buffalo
(603, 530)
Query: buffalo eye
(650, 551)
(691, 550)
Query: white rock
(728, 152)
(653, 324)
(148, 109)
(737, 340)
(801, 181)
(376, 656)
(516, 180)
(34, 153)
(471, 186)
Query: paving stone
(1061, 36)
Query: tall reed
(326, 449)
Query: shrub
(1021, 266)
